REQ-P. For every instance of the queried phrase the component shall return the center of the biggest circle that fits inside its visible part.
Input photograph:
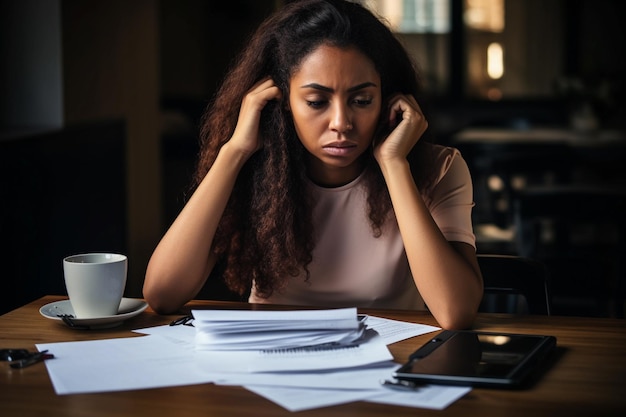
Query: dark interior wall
(30, 64)
(61, 193)
(198, 42)
(110, 61)
(601, 61)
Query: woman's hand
(405, 134)
(246, 135)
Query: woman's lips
(340, 148)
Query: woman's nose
(341, 119)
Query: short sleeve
(450, 198)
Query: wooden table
(586, 379)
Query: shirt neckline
(344, 187)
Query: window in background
(414, 16)
(514, 49)
(423, 26)
(510, 49)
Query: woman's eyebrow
(358, 87)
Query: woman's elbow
(158, 299)
(457, 319)
(457, 323)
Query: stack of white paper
(251, 341)
(295, 379)
(218, 330)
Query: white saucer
(129, 307)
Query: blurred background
(101, 101)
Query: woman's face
(335, 102)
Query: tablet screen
(475, 357)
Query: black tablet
(477, 358)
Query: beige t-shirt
(351, 267)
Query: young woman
(313, 187)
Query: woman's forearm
(182, 260)
(447, 277)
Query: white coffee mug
(95, 283)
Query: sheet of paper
(180, 333)
(298, 391)
(393, 331)
(435, 397)
(121, 364)
(275, 315)
(361, 378)
(299, 399)
(371, 350)
(273, 339)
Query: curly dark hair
(266, 234)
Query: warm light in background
(486, 15)
(495, 61)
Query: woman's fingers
(405, 107)
(407, 125)
(246, 133)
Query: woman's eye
(362, 102)
(316, 104)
